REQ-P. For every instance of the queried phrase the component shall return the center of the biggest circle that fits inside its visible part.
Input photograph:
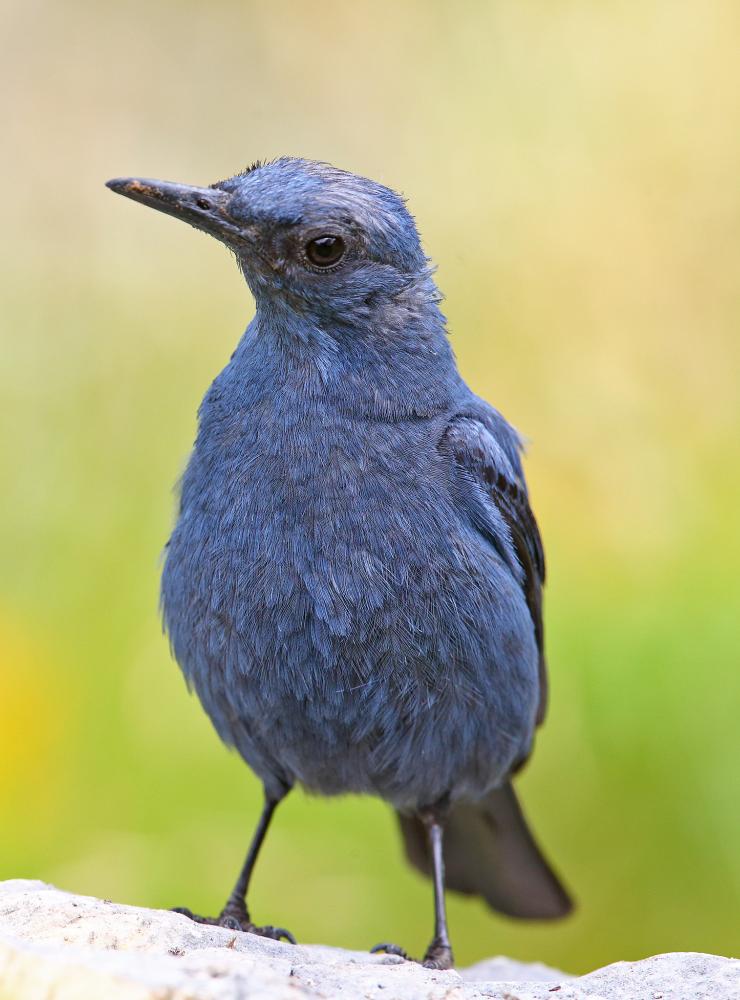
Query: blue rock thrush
(353, 586)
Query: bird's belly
(359, 649)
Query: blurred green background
(574, 168)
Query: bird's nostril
(202, 203)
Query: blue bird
(354, 583)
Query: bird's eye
(325, 251)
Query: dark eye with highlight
(325, 251)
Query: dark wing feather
(486, 453)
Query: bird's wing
(489, 484)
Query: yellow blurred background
(575, 171)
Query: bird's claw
(185, 912)
(276, 933)
(237, 919)
(391, 949)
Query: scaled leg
(235, 914)
(439, 953)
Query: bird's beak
(204, 208)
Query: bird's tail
(489, 851)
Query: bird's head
(306, 234)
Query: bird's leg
(439, 953)
(235, 914)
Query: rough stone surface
(58, 946)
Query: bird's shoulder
(478, 432)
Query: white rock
(57, 945)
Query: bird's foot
(438, 954)
(236, 918)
